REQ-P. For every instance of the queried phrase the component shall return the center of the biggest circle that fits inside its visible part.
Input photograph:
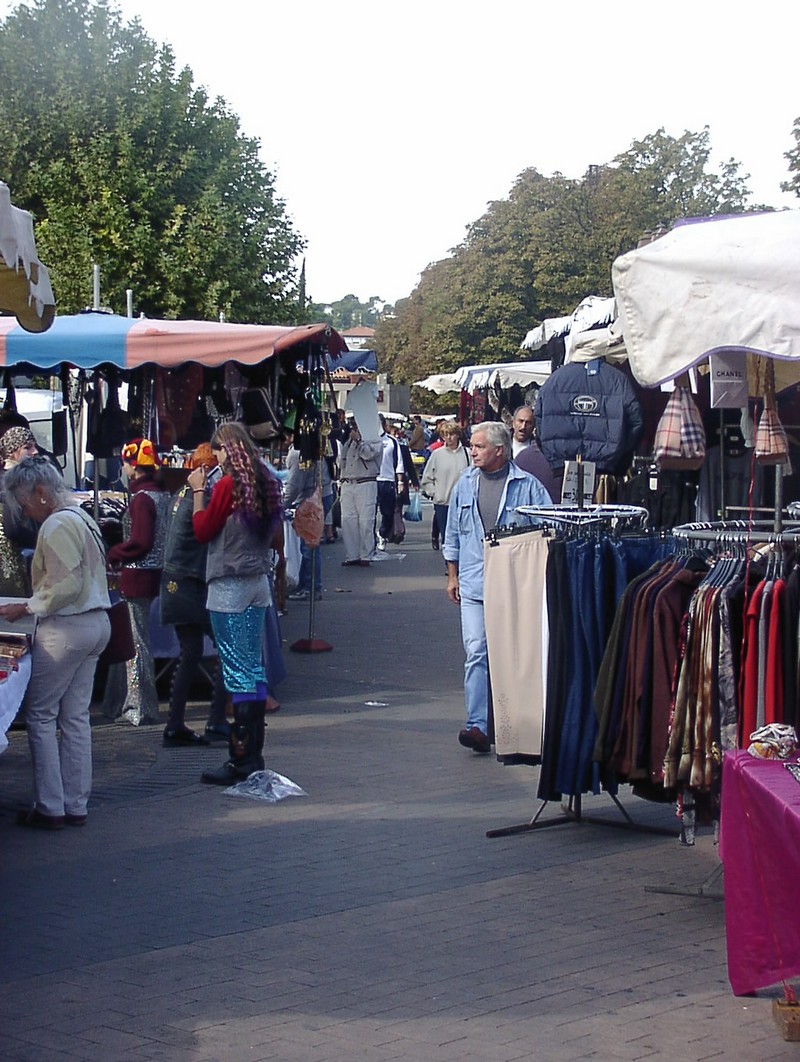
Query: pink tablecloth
(760, 849)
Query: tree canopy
(539, 252)
(123, 161)
(793, 158)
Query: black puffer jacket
(589, 409)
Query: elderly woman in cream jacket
(70, 601)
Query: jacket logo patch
(584, 404)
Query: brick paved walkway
(372, 919)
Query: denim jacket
(463, 541)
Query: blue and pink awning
(87, 340)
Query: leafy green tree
(539, 252)
(350, 312)
(123, 161)
(793, 158)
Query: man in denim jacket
(486, 496)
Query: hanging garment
(589, 410)
(515, 611)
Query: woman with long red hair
(239, 523)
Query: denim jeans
(476, 665)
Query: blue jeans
(476, 665)
(307, 557)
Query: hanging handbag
(120, 645)
(258, 414)
(772, 444)
(680, 439)
(309, 519)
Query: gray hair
(32, 472)
(497, 434)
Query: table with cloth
(12, 691)
(760, 851)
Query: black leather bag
(398, 528)
(258, 414)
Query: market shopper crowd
(204, 561)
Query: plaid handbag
(680, 440)
(772, 445)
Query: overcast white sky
(390, 124)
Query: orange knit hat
(140, 453)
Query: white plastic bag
(267, 786)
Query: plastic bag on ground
(267, 786)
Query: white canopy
(25, 288)
(439, 383)
(591, 312)
(474, 377)
(709, 285)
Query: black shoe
(180, 739)
(434, 543)
(475, 739)
(37, 820)
(227, 774)
(218, 731)
(224, 775)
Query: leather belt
(361, 479)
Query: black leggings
(190, 639)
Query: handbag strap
(90, 526)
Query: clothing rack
(572, 813)
(590, 519)
(758, 531)
(588, 515)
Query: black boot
(244, 745)
(261, 731)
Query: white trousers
(63, 663)
(358, 519)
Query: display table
(12, 690)
(760, 850)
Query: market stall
(181, 379)
(489, 390)
(652, 694)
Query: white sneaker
(381, 543)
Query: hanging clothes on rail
(517, 637)
(565, 582)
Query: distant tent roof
(592, 312)
(473, 377)
(440, 383)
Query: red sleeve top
(210, 521)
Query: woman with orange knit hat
(131, 688)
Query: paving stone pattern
(373, 919)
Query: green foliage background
(539, 252)
(123, 161)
